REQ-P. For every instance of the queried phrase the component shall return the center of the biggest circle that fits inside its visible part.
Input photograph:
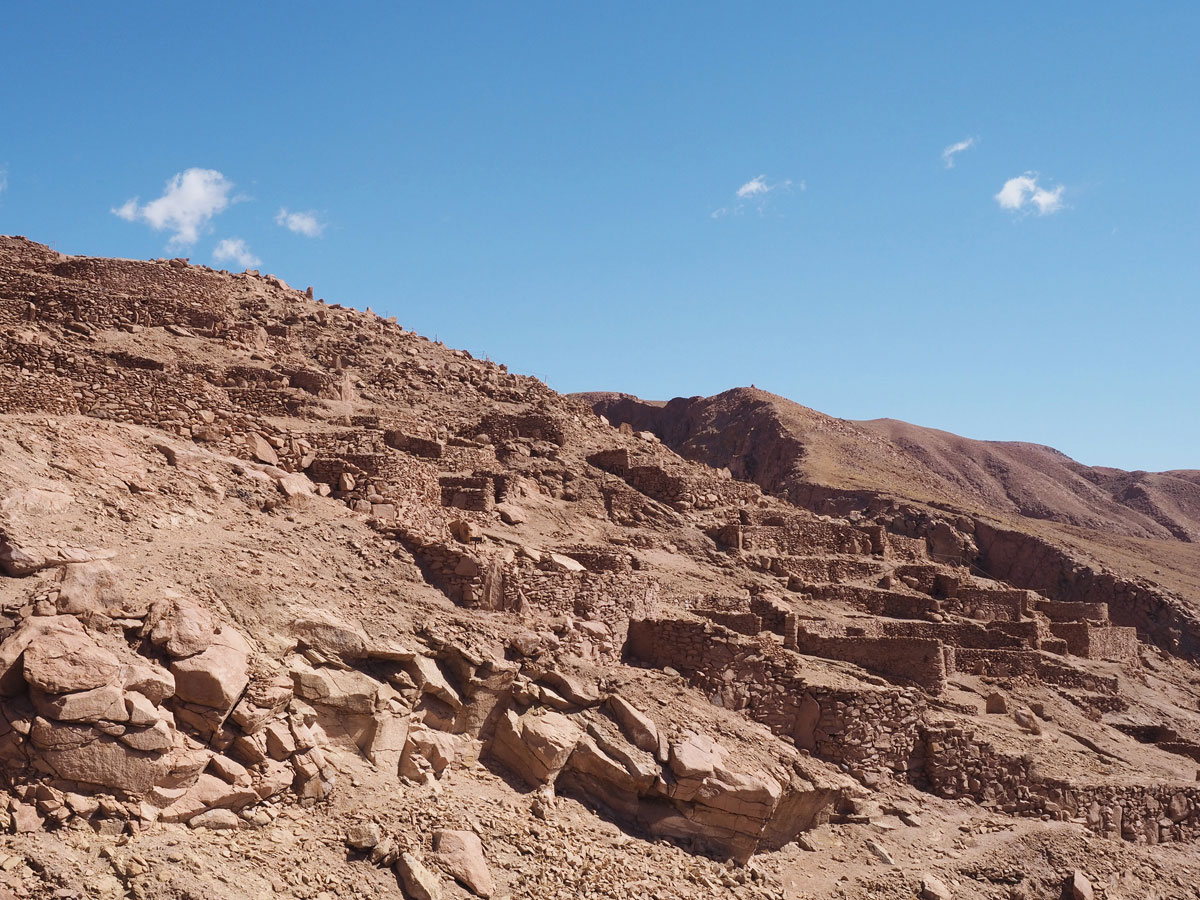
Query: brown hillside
(782, 445)
(297, 603)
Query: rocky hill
(789, 449)
(297, 603)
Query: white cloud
(1016, 192)
(954, 149)
(1048, 201)
(190, 200)
(754, 187)
(127, 210)
(1024, 191)
(305, 223)
(235, 250)
(755, 193)
(3, 179)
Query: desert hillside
(297, 603)
(783, 446)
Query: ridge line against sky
(938, 214)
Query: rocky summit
(297, 603)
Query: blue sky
(556, 186)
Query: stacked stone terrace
(927, 620)
(681, 487)
(876, 732)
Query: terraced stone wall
(958, 764)
(1090, 642)
(1014, 663)
(869, 730)
(1028, 562)
(613, 598)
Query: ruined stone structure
(568, 603)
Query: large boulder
(296, 487)
(261, 448)
(156, 738)
(418, 882)
(386, 739)
(427, 675)
(263, 700)
(346, 690)
(637, 726)
(18, 560)
(610, 774)
(1078, 887)
(933, 888)
(64, 660)
(723, 804)
(95, 587)
(460, 853)
(330, 635)
(209, 792)
(180, 626)
(535, 747)
(149, 680)
(216, 677)
(105, 703)
(426, 752)
(102, 761)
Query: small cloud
(755, 193)
(189, 202)
(1023, 192)
(754, 187)
(305, 223)
(1048, 201)
(3, 179)
(127, 210)
(235, 250)
(954, 149)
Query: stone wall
(816, 569)
(609, 597)
(1026, 561)
(878, 601)
(915, 660)
(773, 613)
(1014, 663)
(1090, 642)
(470, 492)
(531, 426)
(874, 732)
(899, 546)
(461, 573)
(804, 537)
(159, 293)
(674, 483)
(26, 392)
(957, 634)
(993, 604)
(414, 444)
(958, 764)
(867, 729)
(1059, 611)
(600, 558)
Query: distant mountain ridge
(789, 449)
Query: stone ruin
(127, 715)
